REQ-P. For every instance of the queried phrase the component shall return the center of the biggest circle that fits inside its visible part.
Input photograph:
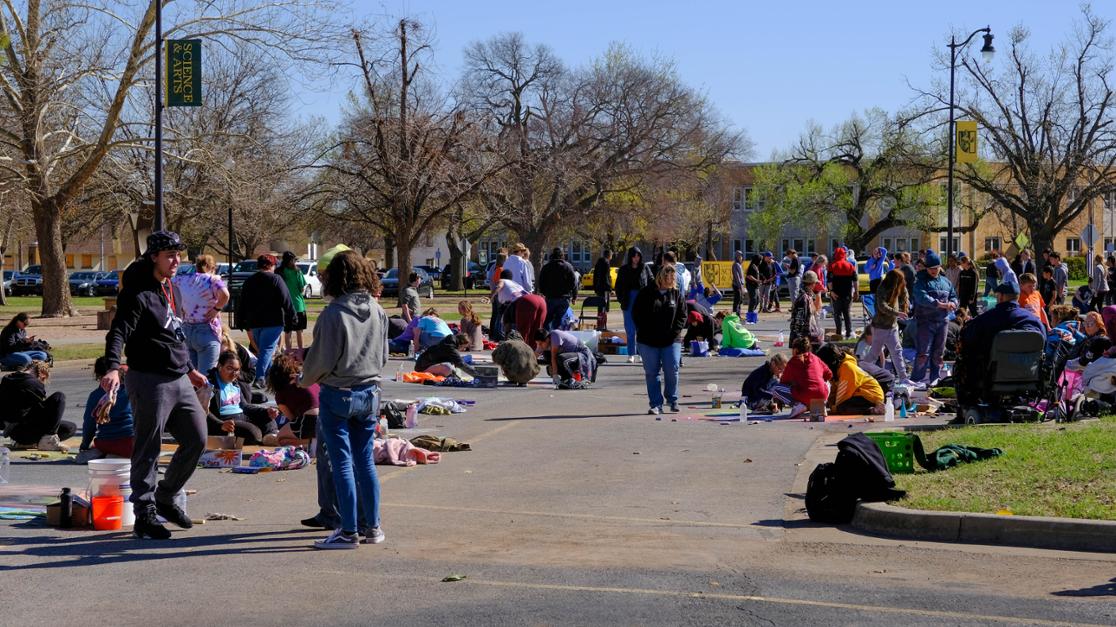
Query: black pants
(1099, 300)
(855, 405)
(605, 296)
(753, 299)
(45, 419)
(496, 326)
(737, 300)
(874, 286)
(556, 309)
(251, 429)
(841, 306)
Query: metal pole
(158, 115)
(231, 240)
(949, 200)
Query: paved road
(573, 507)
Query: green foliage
(1078, 268)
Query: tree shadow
(1107, 589)
(563, 417)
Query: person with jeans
(160, 383)
(659, 312)
(201, 296)
(792, 272)
(935, 299)
(265, 309)
(558, 285)
(876, 267)
(347, 360)
(231, 410)
(891, 307)
(34, 419)
(632, 277)
(17, 349)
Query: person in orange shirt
(1030, 299)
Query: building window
(833, 244)
(943, 240)
(916, 243)
(1073, 245)
(991, 244)
(736, 245)
(811, 246)
(746, 199)
(750, 246)
(887, 244)
(738, 196)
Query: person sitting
(33, 419)
(572, 365)
(864, 345)
(230, 409)
(17, 349)
(1031, 300)
(978, 335)
(471, 326)
(699, 326)
(806, 376)
(106, 430)
(247, 359)
(429, 330)
(734, 334)
(706, 296)
(297, 405)
(761, 389)
(1064, 332)
(856, 392)
(444, 358)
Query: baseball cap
(1007, 288)
(327, 256)
(163, 240)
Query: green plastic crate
(898, 450)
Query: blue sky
(768, 67)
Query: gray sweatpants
(163, 402)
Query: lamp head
(987, 51)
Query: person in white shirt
(520, 267)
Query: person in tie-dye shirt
(202, 295)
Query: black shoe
(173, 514)
(314, 523)
(148, 527)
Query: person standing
(522, 271)
(738, 283)
(201, 296)
(991, 273)
(160, 383)
(1099, 283)
(891, 307)
(876, 267)
(410, 299)
(842, 290)
(792, 270)
(632, 277)
(909, 275)
(525, 312)
(496, 324)
(558, 285)
(659, 312)
(1026, 264)
(804, 311)
(967, 282)
(753, 281)
(295, 281)
(1111, 268)
(602, 280)
(1061, 277)
(265, 309)
(935, 298)
(17, 349)
(347, 360)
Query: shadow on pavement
(1101, 590)
(787, 524)
(563, 417)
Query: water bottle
(903, 410)
(779, 341)
(889, 409)
(399, 373)
(65, 519)
(410, 350)
(5, 463)
(744, 410)
(412, 416)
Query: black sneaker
(148, 527)
(173, 514)
(314, 523)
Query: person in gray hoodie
(347, 360)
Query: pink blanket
(400, 452)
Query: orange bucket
(108, 512)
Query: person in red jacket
(842, 289)
(807, 376)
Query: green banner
(184, 73)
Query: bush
(1078, 268)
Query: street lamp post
(158, 221)
(987, 50)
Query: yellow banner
(966, 141)
(718, 273)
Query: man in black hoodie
(265, 308)
(602, 280)
(558, 285)
(160, 383)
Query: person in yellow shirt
(854, 390)
(1031, 300)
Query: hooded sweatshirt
(928, 292)
(144, 327)
(852, 381)
(350, 343)
(842, 275)
(1007, 275)
(876, 268)
(631, 280)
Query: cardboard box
(81, 518)
(219, 442)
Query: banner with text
(184, 73)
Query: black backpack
(827, 498)
(859, 473)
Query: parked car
(481, 283)
(236, 279)
(186, 269)
(109, 285)
(587, 278)
(85, 283)
(29, 282)
(473, 274)
(8, 276)
(313, 285)
(391, 283)
(433, 271)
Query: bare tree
(573, 137)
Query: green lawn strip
(1046, 470)
(70, 352)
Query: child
(762, 389)
(471, 326)
(108, 430)
(864, 345)
(857, 391)
(298, 406)
(806, 375)
(444, 358)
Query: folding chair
(595, 302)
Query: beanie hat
(810, 277)
(932, 259)
(327, 256)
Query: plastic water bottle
(399, 373)
(412, 416)
(5, 464)
(889, 409)
(779, 341)
(744, 410)
(903, 410)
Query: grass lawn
(33, 305)
(69, 352)
(1066, 470)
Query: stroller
(1010, 386)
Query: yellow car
(587, 278)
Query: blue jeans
(204, 345)
(20, 360)
(327, 494)
(930, 344)
(629, 324)
(267, 339)
(660, 366)
(348, 420)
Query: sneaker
(271, 439)
(147, 526)
(314, 523)
(654, 411)
(84, 457)
(372, 535)
(631, 359)
(339, 540)
(172, 513)
(674, 408)
(798, 409)
(52, 443)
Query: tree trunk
(403, 246)
(457, 262)
(709, 254)
(535, 239)
(56, 290)
(1042, 238)
(389, 252)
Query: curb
(1026, 531)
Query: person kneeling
(34, 420)
(572, 365)
(106, 429)
(761, 389)
(230, 410)
(857, 391)
(444, 358)
(806, 375)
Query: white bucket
(112, 476)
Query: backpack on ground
(860, 473)
(827, 499)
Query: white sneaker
(631, 359)
(339, 540)
(375, 535)
(52, 443)
(798, 409)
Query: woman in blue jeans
(659, 312)
(347, 359)
(631, 277)
(16, 348)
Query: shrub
(1078, 268)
